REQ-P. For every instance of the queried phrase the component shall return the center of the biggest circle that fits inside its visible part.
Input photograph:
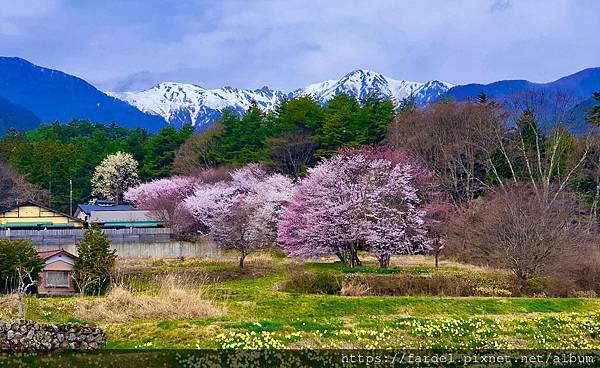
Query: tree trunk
(22, 307)
(242, 257)
(384, 261)
(340, 255)
(437, 258)
(356, 259)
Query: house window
(57, 278)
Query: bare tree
(25, 282)
(591, 170)
(14, 187)
(455, 140)
(515, 229)
(292, 152)
(83, 280)
(540, 151)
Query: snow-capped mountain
(180, 103)
(361, 83)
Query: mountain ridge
(34, 94)
(16, 116)
(181, 103)
(580, 85)
(54, 95)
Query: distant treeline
(53, 154)
(292, 137)
(447, 135)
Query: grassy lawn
(257, 314)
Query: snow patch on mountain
(181, 103)
(362, 83)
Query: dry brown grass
(173, 300)
(429, 261)
(354, 289)
(9, 306)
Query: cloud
(28, 8)
(288, 44)
(12, 13)
(135, 82)
(500, 5)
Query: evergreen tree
(529, 130)
(408, 103)
(594, 113)
(371, 120)
(332, 135)
(160, 151)
(298, 114)
(95, 262)
(482, 98)
(445, 99)
(14, 255)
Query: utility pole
(71, 197)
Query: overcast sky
(286, 44)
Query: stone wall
(24, 335)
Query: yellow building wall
(35, 214)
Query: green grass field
(257, 314)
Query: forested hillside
(53, 154)
(292, 137)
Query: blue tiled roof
(88, 208)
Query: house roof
(33, 203)
(104, 206)
(47, 254)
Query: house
(35, 216)
(108, 214)
(56, 277)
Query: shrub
(306, 282)
(585, 270)
(14, 255)
(435, 285)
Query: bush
(9, 306)
(405, 285)
(306, 282)
(492, 284)
(585, 270)
(15, 254)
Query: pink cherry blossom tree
(361, 199)
(164, 198)
(241, 213)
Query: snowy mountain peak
(361, 83)
(181, 103)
